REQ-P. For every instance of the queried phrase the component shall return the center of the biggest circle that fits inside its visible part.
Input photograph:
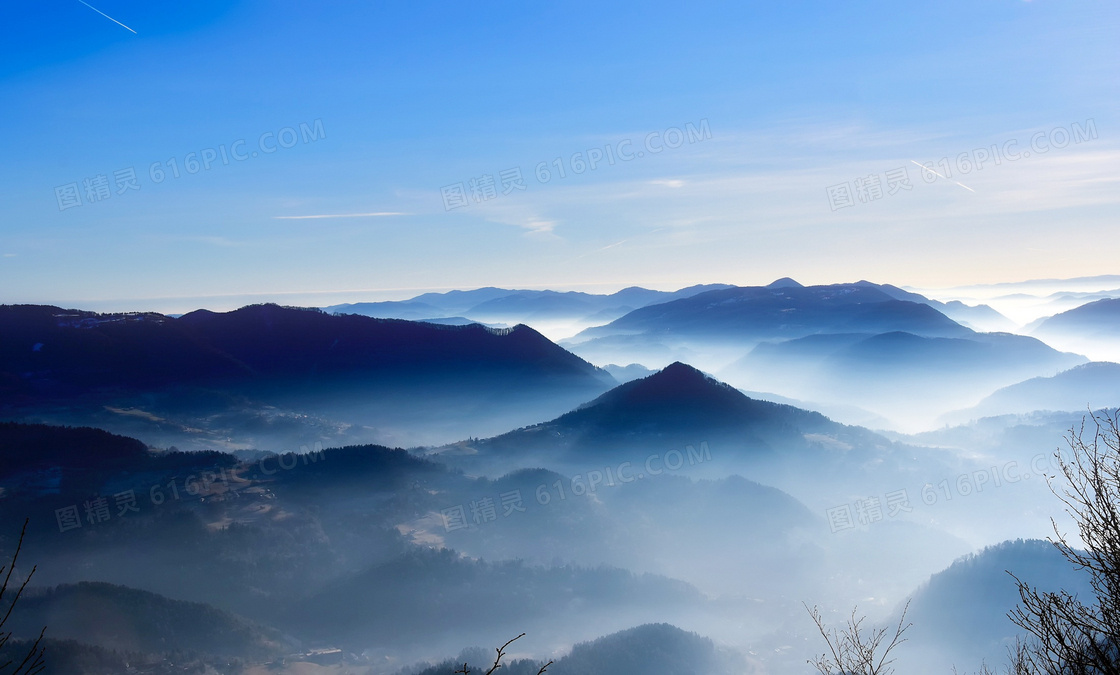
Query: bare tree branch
(1069, 636)
(465, 670)
(855, 650)
(32, 662)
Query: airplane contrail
(598, 250)
(926, 168)
(107, 16)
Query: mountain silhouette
(498, 304)
(783, 310)
(678, 396)
(1093, 385)
(784, 282)
(50, 351)
(1099, 319)
(896, 374)
(678, 401)
(960, 615)
(681, 409)
(130, 620)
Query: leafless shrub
(1068, 635)
(855, 650)
(498, 660)
(32, 662)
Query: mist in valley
(672, 501)
(513, 339)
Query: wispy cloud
(223, 242)
(539, 226)
(519, 213)
(376, 214)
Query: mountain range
(498, 304)
(260, 373)
(781, 310)
(1090, 386)
(1090, 325)
(541, 493)
(49, 351)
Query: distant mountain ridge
(1093, 385)
(977, 317)
(504, 304)
(783, 311)
(1098, 319)
(497, 304)
(49, 350)
(1090, 328)
(896, 373)
(262, 375)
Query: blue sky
(404, 101)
